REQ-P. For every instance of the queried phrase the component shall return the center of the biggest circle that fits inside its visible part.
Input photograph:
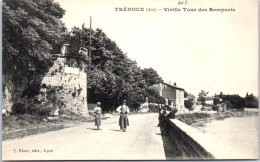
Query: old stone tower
(72, 83)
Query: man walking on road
(123, 119)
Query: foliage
(190, 102)
(215, 107)
(251, 101)
(113, 76)
(235, 100)
(154, 97)
(216, 101)
(154, 108)
(31, 31)
(105, 88)
(238, 102)
(228, 104)
(16, 126)
(28, 106)
(151, 76)
(35, 107)
(185, 94)
(192, 118)
(201, 96)
(135, 99)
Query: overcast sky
(209, 51)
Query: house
(171, 93)
(209, 100)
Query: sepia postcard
(130, 80)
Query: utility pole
(89, 61)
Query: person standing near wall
(98, 111)
(123, 119)
(162, 112)
(172, 113)
(56, 112)
(163, 120)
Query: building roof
(172, 86)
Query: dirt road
(142, 141)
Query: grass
(16, 126)
(189, 119)
(200, 118)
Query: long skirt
(97, 120)
(123, 121)
(164, 125)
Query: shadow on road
(115, 130)
(93, 129)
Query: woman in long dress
(123, 119)
(97, 111)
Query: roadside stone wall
(196, 145)
(72, 83)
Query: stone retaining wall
(187, 147)
(72, 83)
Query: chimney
(64, 49)
(170, 82)
(174, 84)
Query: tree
(151, 76)
(235, 101)
(221, 94)
(185, 94)
(251, 101)
(190, 102)
(201, 96)
(32, 29)
(216, 101)
(135, 99)
(113, 76)
(106, 88)
(154, 96)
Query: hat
(98, 103)
(124, 101)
